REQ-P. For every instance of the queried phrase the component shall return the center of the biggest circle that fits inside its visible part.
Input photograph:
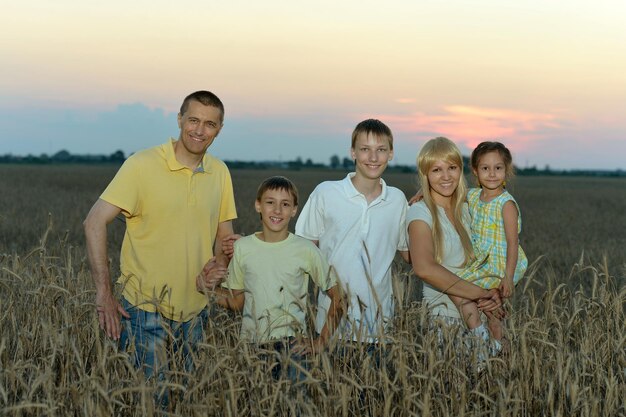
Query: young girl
(495, 225)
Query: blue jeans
(156, 337)
(282, 361)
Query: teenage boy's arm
(335, 311)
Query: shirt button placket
(191, 197)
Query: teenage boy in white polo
(358, 223)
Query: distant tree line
(335, 163)
(64, 157)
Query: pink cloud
(470, 125)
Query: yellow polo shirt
(172, 214)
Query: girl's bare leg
(496, 326)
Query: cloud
(128, 127)
(471, 125)
(557, 138)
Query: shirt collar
(174, 165)
(351, 191)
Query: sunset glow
(537, 75)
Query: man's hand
(109, 310)
(228, 244)
(211, 276)
(491, 301)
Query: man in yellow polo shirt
(177, 201)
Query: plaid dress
(489, 241)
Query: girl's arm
(429, 270)
(510, 215)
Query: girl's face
(443, 178)
(491, 171)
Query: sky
(545, 77)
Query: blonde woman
(439, 241)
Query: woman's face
(443, 178)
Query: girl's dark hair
(486, 147)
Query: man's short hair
(374, 127)
(278, 183)
(205, 97)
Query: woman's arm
(425, 266)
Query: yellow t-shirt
(172, 214)
(275, 278)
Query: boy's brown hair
(278, 183)
(376, 128)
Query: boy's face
(276, 208)
(371, 155)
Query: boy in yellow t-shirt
(268, 278)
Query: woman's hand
(491, 301)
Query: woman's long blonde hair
(443, 149)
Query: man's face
(199, 126)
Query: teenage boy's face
(371, 155)
(276, 208)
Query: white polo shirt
(359, 242)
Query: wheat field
(567, 328)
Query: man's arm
(216, 268)
(224, 230)
(109, 309)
